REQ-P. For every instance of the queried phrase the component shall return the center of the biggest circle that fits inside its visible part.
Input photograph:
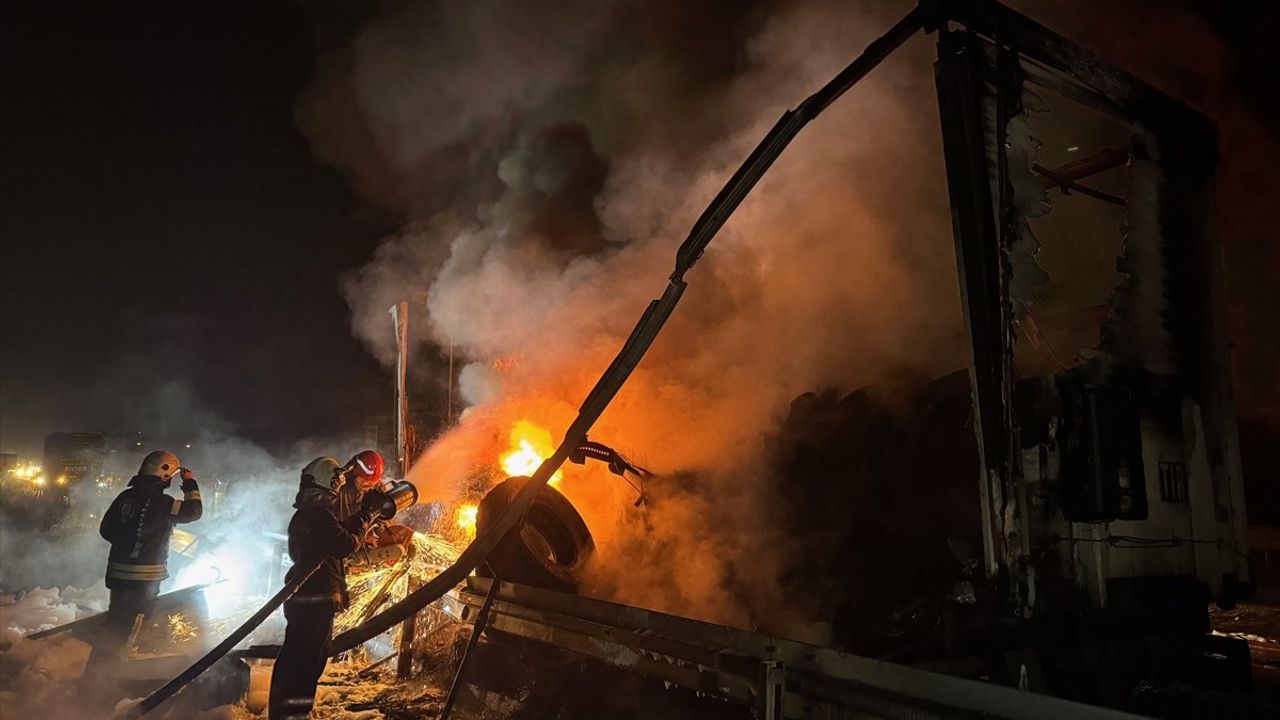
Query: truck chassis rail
(781, 678)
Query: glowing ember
(530, 445)
(181, 629)
(372, 589)
(467, 518)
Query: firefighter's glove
(378, 505)
(362, 533)
(188, 480)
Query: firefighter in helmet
(316, 536)
(138, 525)
(364, 475)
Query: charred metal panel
(1092, 282)
(742, 666)
(1135, 332)
(982, 262)
(1103, 454)
(1111, 87)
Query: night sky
(166, 226)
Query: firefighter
(315, 536)
(138, 525)
(364, 475)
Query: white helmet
(325, 472)
(161, 463)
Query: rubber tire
(552, 548)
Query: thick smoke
(549, 158)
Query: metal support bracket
(775, 689)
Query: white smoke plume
(548, 158)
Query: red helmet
(366, 469)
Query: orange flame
(467, 518)
(530, 445)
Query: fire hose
(170, 688)
(642, 336)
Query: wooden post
(404, 664)
(400, 318)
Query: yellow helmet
(325, 472)
(161, 463)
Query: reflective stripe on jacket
(138, 525)
(142, 573)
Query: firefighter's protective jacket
(347, 502)
(316, 535)
(138, 525)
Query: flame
(530, 445)
(467, 518)
(522, 461)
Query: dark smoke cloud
(548, 158)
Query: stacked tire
(552, 547)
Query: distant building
(69, 459)
(8, 461)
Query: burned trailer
(1110, 487)
(1109, 477)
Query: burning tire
(553, 546)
